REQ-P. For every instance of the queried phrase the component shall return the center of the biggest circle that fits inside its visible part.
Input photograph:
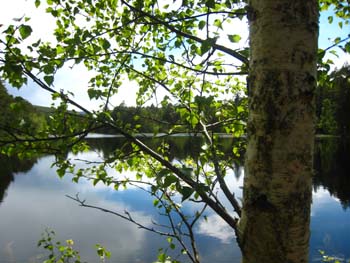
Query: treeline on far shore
(332, 109)
(333, 103)
(18, 117)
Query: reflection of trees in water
(332, 165)
(177, 148)
(8, 167)
(331, 161)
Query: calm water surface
(32, 198)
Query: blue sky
(77, 80)
(331, 30)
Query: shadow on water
(9, 167)
(332, 168)
(331, 158)
(177, 147)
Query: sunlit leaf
(234, 38)
(25, 31)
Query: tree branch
(127, 216)
(194, 185)
(334, 45)
(189, 36)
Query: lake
(32, 198)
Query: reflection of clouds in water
(37, 201)
(8, 252)
(47, 206)
(216, 227)
(321, 198)
(95, 157)
(322, 195)
(234, 177)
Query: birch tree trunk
(277, 190)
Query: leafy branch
(224, 49)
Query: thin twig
(127, 216)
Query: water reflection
(8, 167)
(177, 147)
(332, 165)
(36, 200)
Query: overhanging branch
(178, 32)
(194, 185)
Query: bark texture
(274, 226)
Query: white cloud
(216, 227)
(41, 22)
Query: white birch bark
(277, 190)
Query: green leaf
(234, 38)
(169, 180)
(36, 44)
(206, 45)
(155, 202)
(162, 257)
(25, 31)
(48, 69)
(92, 93)
(210, 3)
(201, 24)
(105, 44)
(228, 4)
(163, 172)
(61, 172)
(330, 19)
(75, 179)
(37, 3)
(49, 80)
(334, 52)
(337, 40)
(95, 181)
(186, 192)
(60, 50)
(218, 23)
(347, 47)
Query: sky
(76, 80)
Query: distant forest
(18, 117)
(332, 109)
(333, 103)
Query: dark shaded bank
(332, 168)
